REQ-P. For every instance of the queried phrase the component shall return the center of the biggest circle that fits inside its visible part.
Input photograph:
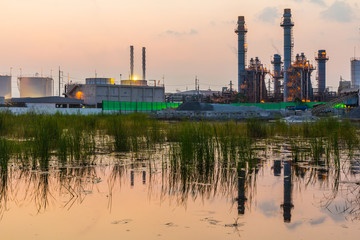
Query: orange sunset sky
(183, 38)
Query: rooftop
(53, 99)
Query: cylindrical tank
(355, 72)
(35, 86)
(99, 81)
(5, 86)
(134, 82)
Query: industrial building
(299, 85)
(46, 102)
(97, 90)
(5, 86)
(251, 79)
(355, 72)
(291, 77)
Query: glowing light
(79, 95)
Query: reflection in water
(287, 205)
(71, 185)
(277, 168)
(241, 191)
(3, 190)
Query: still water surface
(119, 198)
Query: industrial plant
(291, 77)
(287, 84)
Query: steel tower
(287, 24)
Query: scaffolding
(299, 80)
(254, 84)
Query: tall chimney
(321, 59)
(131, 62)
(144, 63)
(287, 24)
(241, 32)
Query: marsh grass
(38, 139)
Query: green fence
(137, 106)
(281, 105)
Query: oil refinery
(288, 81)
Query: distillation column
(277, 74)
(321, 59)
(287, 24)
(241, 32)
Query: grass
(35, 140)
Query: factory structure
(355, 72)
(291, 77)
(97, 90)
(38, 91)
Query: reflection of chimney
(144, 177)
(287, 205)
(132, 178)
(131, 62)
(277, 167)
(241, 192)
(144, 63)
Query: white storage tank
(35, 86)
(5, 86)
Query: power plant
(291, 77)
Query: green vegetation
(38, 141)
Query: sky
(183, 38)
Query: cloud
(317, 221)
(269, 15)
(339, 11)
(319, 2)
(269, 208)
(179, 34)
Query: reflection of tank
(5, 86)
(35, 86)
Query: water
(120, 198)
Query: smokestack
(287, 24)
(144, 63)
(131, 62)
(241, 32)
(321, 59)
